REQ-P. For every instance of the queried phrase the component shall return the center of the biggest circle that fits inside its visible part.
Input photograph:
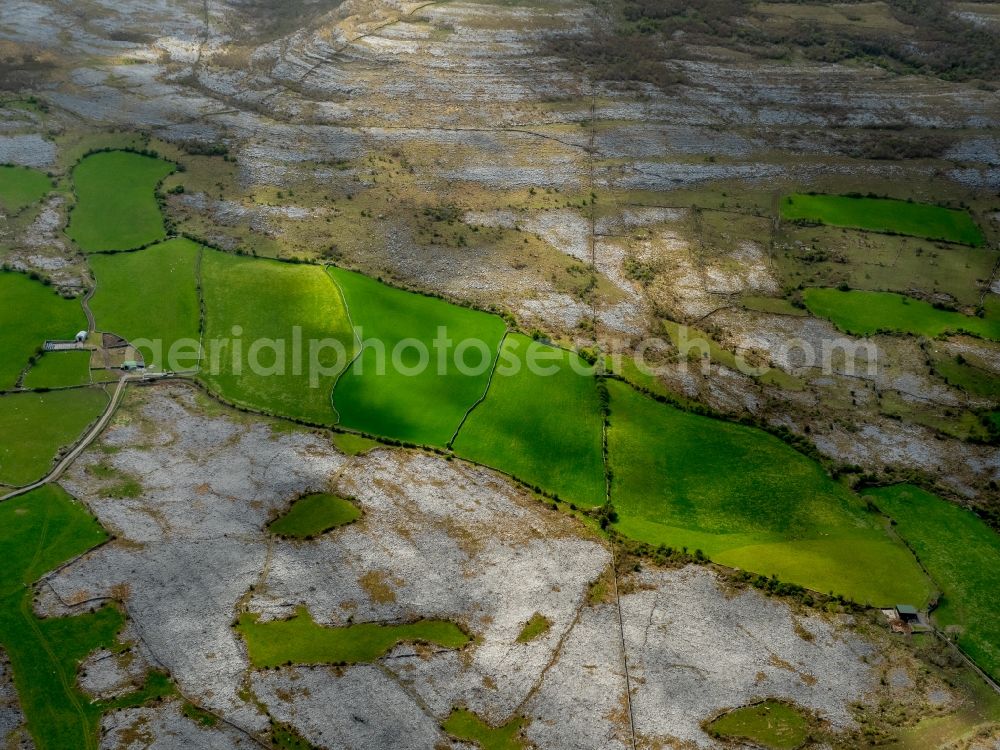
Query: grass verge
(864, 313)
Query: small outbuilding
(81, 337)
(131, 364)
(907, 613)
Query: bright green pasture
(543, 429)
(770, 724)
(750, 501)
(273, 305)
(59, 370)
(865, 313)
(39, 531)
(884, 215)
(962, 555)
(116, 206)
(20, 187)
(300, 640)
(34, 426)
(313, 515)
(30, 313)
(417, 394)
(151, 294)
(464, 725)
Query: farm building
(81, 337)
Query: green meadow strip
(884, 215)
(865, 313)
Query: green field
(269, 300)
(464, 725)
(749, 501)
(313, 515)
(300, 640)
(884, 215)
(151, 294)
(20, 187)
(543, 429)
(975, 380)
(770, 724)
(31, 313)
(116, 206)
(59, 370)
(407, 398)
(864, 313)
(962, 555)
(34, 426)
(38, 532)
